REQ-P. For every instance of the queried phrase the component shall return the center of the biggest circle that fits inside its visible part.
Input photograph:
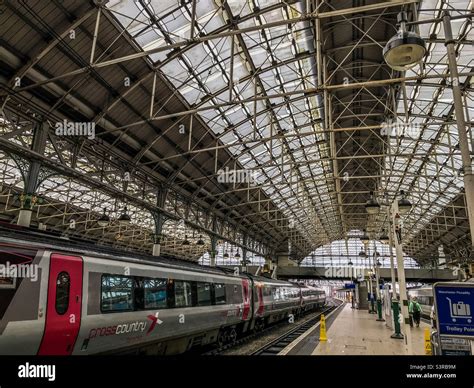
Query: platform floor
(356, 332)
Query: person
(416, 312)
(410, 311)
(433, 317)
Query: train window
(219, 292)
(276, 293)
(182, 294)
(204, 294)
(117, 293)
(63, 283)
(267, 291)
(155, 293)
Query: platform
(356, 332)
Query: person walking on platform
(416, 312)
(410, 311)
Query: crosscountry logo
(154, 321)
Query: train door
(246, 298)
(63, 310)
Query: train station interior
(237, 177)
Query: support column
(397, 232)
(244, 260)
(371, 294)
(28, 198)
(213, 252)
(392, 264)
(268, 266)
(377, 285)
(160, 219)
(157, 245)
(461, 124)
(395, 304)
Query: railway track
(256, 335)
(277, 345)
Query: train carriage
(87, 301)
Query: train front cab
(40, 307)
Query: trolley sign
(454, 303)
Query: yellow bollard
(428, 350)
(322, 329)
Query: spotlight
(405, 49)
(404, 205)
(365, 238)
(104, 219)
(124, 218)
(372, 206)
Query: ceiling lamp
(226, 255)
(372, 206)
(104, 219)
(350, 262)
(362, 253)
(405, 49)
(384, 237)
(404, 205)
(186, 241)
(237, 255)
(124, 218)
(200, 241)
(379, 264)
(365, 238)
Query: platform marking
(286, 350)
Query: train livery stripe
(246, 299)
(63, 310)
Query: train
(60, 297)
(425, 297)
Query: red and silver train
(59, 297)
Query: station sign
(455, 346)
(454, 304)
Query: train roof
(50, 241)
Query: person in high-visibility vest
(410, 310)
(416, 312)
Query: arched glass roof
(263, 123)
